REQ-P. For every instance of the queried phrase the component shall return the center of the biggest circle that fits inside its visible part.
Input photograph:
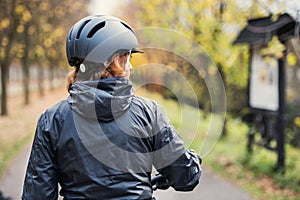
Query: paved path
(211, 187)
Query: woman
(102, 142)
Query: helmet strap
(128, 61)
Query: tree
(35, 31)
(214, 25)
(8, 27)
(47, 46)
(24, 30)
(55, 29)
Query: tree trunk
(4, 75)
(40, 79)
(26, 81)
(5, 63)
(25, 63)
(51, 77)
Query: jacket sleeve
(181, 167)
(41, 175)
(184, 173)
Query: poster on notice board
(263, 83)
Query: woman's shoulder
(58, 110)
(144, 102)
(60, 106)
(53, 118)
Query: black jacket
(102, 142)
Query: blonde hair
(99, 71)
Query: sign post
(267, 100)
(266, 84)
(281, 114)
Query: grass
(8, 153)
(254, 174)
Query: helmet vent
(95, 29)
(81, 28)
(126, 25)
(70, 34)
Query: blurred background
(34, 67)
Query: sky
(104, 6)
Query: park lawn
(255, 173)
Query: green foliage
(44, 23)
(214, 25)
(214, 29)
